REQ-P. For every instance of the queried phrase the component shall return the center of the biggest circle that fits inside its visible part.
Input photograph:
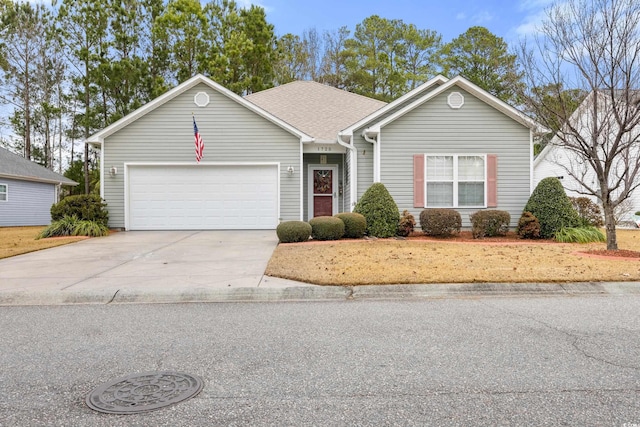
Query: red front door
(322, 192)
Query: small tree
(550, 204)
(380, 211)
(592, 46)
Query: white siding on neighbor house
(476, 128)
(28, 203)
(554, 163)
(231, 134)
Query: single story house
(27, 191)
(304, 149)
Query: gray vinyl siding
(231, 133)
(28, 203)
(364, 163)
(476, 128)
(332, 159)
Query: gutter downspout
(353, 167)
(376, 151)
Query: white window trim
(5, 192)
(455, 180)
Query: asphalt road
(483, 361)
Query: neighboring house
(27, 191)
(304, 149)
(558, 161)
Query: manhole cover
(144, 392)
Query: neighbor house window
(4, 192)
(455, 181)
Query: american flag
(199, 142)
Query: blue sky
(511, 20)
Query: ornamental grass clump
(550, 204)
(293, 231)
(489, 223)
(72, 226)
(440, 222)
(586, 234)
(326, 228)
(380, 211)
(355, 224)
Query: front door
(323, 190)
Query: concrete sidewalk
(274, 289)
(210, 266)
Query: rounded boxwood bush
(87, 207)
(440, 222)
(355, 224)
(406, 224)
(589, 212)
(489, 223)
(293, 231)
(528, 226)
(380, 211)
(550, 204)
(326, 228)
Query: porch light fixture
(113, 171)
(290, 170)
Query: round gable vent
(201, 99)
(455, 100)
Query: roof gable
(404, 99)
(469, 87)
(17, 167)
(98, 138)
(316, 109)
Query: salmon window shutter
(492, 181)
(418, 180)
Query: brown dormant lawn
(391, 261)
(20, 240)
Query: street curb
(317, 293)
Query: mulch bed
(620, 253)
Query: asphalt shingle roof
(17, 167)
(318, 110)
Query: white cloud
(482, 17)
(246, 4)
(461, 16)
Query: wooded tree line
(76, 66)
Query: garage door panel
(203, 197)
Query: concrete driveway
(146, 262)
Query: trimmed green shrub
(528, 226)
(406, 224)
(589, 212)
(489, 223)
(326, 228)
(580, 235)
(293, 231)
(550, 204)
(87, 207)
(440, 222)
(355, 224)
(72, 226)
(380, 211)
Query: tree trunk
(610, 225)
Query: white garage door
(201, 197)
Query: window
(4, 192)
(455, 181)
